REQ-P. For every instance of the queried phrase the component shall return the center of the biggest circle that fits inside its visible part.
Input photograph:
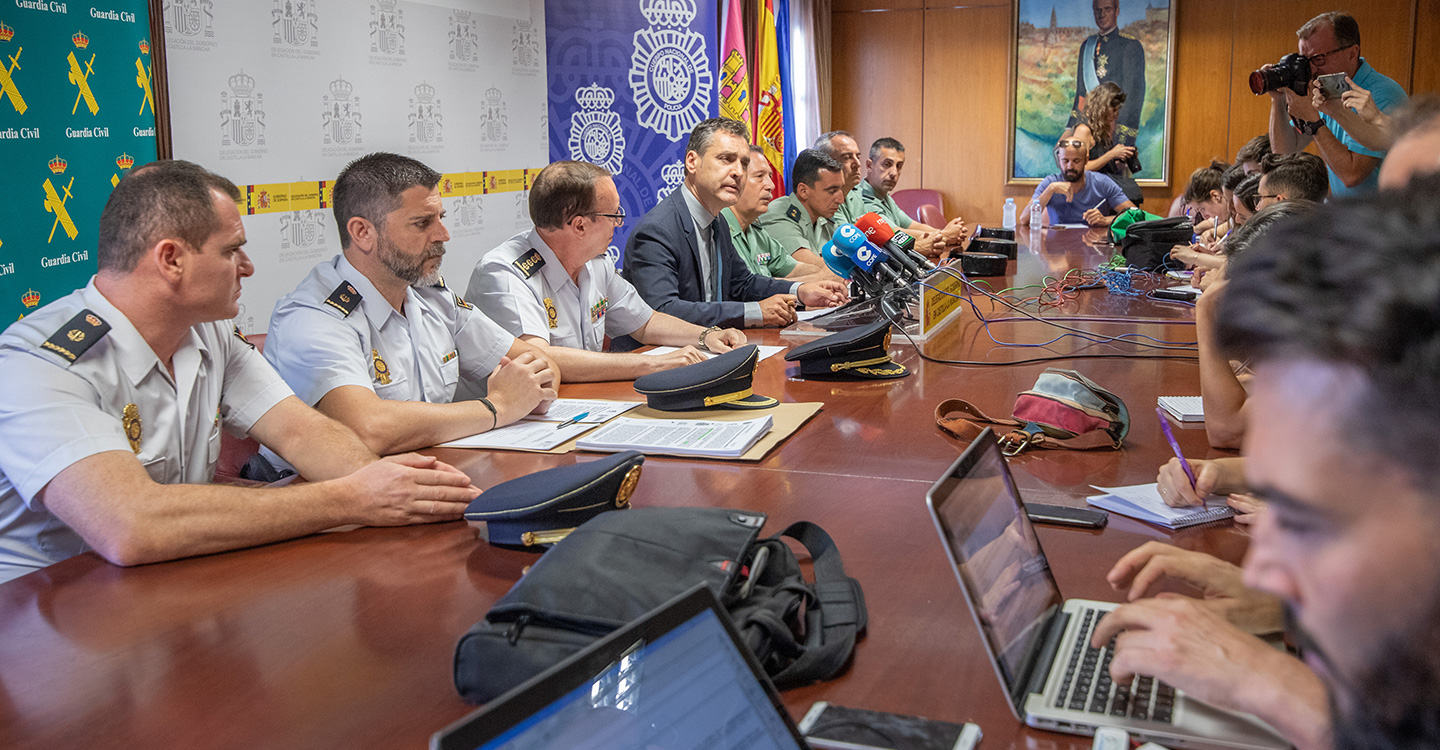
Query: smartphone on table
(833, 727)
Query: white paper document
(595, 410)
(765, 351)
(525, 435)
(1143, 501)
(678, 437)
(815, 313)
(1183, 408)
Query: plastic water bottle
(1035, 214)
(1009, 222)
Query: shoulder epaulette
(241, 336)
(344, 298)
(439, 282)
(77, 336)
(793, 213)
(529, 263)
(460, 302)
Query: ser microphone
(899, 245)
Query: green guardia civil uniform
(762, 254)
(884, 206)
(853, 208)
(790, 223)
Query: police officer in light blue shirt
(555, 287)
(115, 396)
(1331, 42)
(374, 339)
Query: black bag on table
(1147, 244)
(618, 566)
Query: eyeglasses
(1077, 143)
(1318, 61)
(1263, 196)
(618, 218)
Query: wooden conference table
(345, 639)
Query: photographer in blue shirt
(1331, 44)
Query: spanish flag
(734, 73)
(770, 102)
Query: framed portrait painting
(1102, 63)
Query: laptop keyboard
(1087, 685)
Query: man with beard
(1337, 316)
(1075, 196)
(374, 339)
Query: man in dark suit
(681, 258)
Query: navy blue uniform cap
(541, 508)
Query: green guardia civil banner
(77, 112)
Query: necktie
(715, 254)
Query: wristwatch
(705, 333)
(1307, 128)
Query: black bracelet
(493, 414)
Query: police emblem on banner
(595, 132)
(425, 119)
(673, 175)
(296, 23)
(464, 44)
(301, 228)
(612, 254)
(526, 44)
(493, 125)
(387, 28)
(669, 71)
(189, 17)
(341, 114)
(242, 119)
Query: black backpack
(618, 566)
(1147, 244)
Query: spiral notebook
(1143, 501)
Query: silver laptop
(1038, 643)
(678, 677)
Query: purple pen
(1174, 446)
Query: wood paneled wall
(935, 75)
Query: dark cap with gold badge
(725, 381)
(542, 508)
(862, 352)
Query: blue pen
(576, 420)
(1174, 446)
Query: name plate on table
(939, 303)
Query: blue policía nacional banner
(77, 112)
(628, 80)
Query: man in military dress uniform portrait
(1110, 55)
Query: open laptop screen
(996, 553)
(688, 688)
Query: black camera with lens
(1133, 163)
(1292, 72)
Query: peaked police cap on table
(542, 508)
(862, 352)
(725, 381)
